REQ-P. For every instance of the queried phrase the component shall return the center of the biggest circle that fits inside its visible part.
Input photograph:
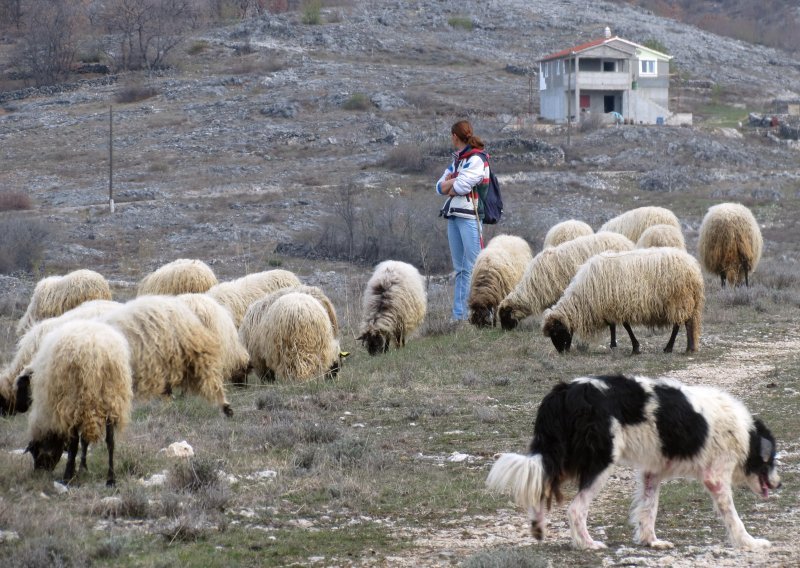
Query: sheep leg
(72, 453)
(690, 343)
(671, 342)
(110, 481)
(84, 449)
(634, 342)
(722, 279)
(613, 329)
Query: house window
(609, 66)
(647, 67)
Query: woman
(462, 208)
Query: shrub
(591, 121)
(312, 12)
(15, 201)
(22, 245)
(197, 47)
(134, 93)
(195, 474)
(460, 22)
(357, 101)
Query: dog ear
(767, 449)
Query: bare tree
(11, 13)
(49, 41)
(147, 30)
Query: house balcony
(602, 81)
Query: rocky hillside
(247, 142)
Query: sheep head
(47, 451)
(507, 319)
(558, 333)
(481, 316)
(375, 342)
(334, 369)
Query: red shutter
(585, 101)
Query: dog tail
(523, 477)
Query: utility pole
(110, 160)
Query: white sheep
(661, 236)
(218, 320)
(393, 306)
(548, 274)
(12, 402)
(294, 340)
(566, 231)
(181, 276)
(238, 294)
(654, 287)
(633, 223)
(252, 329)
(55, 295)
(82, 388)
(730, 243)
(170, 348)
(497, 270)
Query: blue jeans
(465, 244)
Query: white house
(610, 74)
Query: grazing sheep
(251, 332)
(182, 276)
(55, 295)
(653, 287)
(497, 270)
(81, 384)
(633, 223)
(170, 348)
(730, 243)
(566, 231)
(294, 340)
(393, 306)
(548, 274)
(218, 320)
(661, 236)
(12, 402)
(238, 294)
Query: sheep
(549, 273)
(661, 236)
(251, 332)
(170, 348)
(11, 400)
(653, 286)
(497, 270)
(55, 295)
(730, 243)
(633, 223)
(182, 276)
(82, 386)
(566, 231)
(393, 306)
(218, 320)
(293, 339)
(238, 294)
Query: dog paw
(592, 545)
(756, 544)
(660, 544)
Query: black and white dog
(662, 428)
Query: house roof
(595, 43)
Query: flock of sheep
(82, 358)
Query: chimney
(608, 32)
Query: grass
(722, 115)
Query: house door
(585, 101)
(608, 103)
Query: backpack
(490, 198)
